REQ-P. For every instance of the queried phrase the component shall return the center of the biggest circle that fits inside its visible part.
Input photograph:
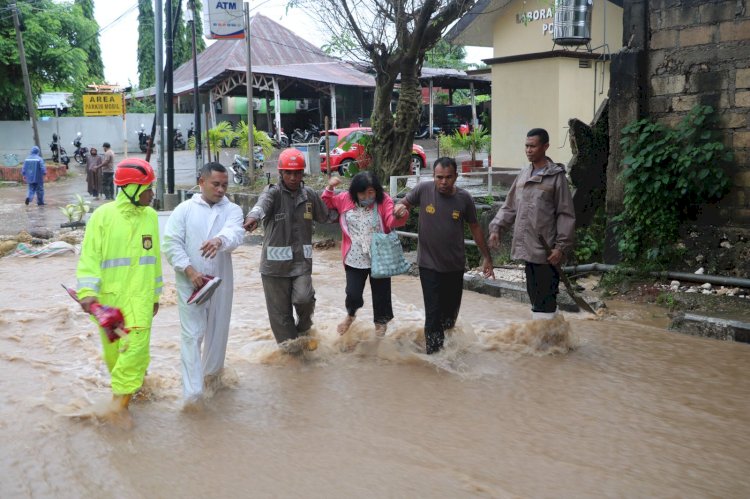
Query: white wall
(17, 137)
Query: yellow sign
(102, 104)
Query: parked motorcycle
(142, 139)
(423, 131)
(55, 147)
(59, 155)
(310, 134)
(179, 140)
(81, 152)
(240, 165)
(283, 140)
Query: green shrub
(668, 175)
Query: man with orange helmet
(120, 266)
(287, 211)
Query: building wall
(699, 53)
(545, 92)
(512, 37)
(17, 137)
(521, 106)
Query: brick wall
(13, 173)
(699, 53)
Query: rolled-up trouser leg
(303, 299)
(433, 325)
(278, 293)
(129, 367)
(542, 285)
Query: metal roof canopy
(283, 65)
(455, 79)
(276, 52)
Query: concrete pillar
(627, 102)
(333, 107)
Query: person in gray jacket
(287, 211)
(538, 203)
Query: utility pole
(157, 131)
(169, 75)
(249, 79)
(196, 97)
(26, 83)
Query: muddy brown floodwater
(581, 408)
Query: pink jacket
(342, 203)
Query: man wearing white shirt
(198, 240)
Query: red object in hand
(108, 318)
(111, 320)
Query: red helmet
(134, 171)
(291, 159)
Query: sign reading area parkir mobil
(102, 104)
(223, 20)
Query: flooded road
(631, 411)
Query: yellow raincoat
(120, 265)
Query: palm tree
(216, 138)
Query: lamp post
(191, 15)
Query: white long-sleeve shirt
(191, 224)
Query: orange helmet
(291, 159)
(134, 171)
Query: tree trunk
(393, 137)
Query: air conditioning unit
(302, 105)
(256, 104)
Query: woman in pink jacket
(363, 210)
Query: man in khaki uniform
(287, 211)
(538, 203)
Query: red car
(355, 154)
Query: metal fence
(494, 182)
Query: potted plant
(474, 142)
(75, 212)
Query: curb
(711, 327)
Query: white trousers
(205, 331)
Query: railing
(495, 182)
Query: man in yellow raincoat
(120, 266)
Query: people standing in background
(93, 173)
(108, 172)
(33, 173)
